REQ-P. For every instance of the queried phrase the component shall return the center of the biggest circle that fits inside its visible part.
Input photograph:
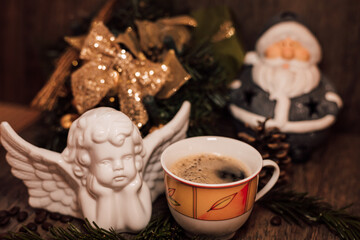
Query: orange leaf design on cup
(230, 206)
(171, 192)
(223, 202)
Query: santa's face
(287, 49)
(285, 70)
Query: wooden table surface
(332, 174)
(33, 28)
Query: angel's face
(113, 167)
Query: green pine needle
(29, 235)
(300, 208)
(164, 228)
(206, 90)
(161, 228)
(293, 207)
(89, 231)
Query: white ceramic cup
(214, 210)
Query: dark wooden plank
(29, 29)
(12, 113)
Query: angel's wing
(49, 179)
(156, 142)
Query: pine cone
(271, 144)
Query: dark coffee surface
(210, 169)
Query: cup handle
(272, 181)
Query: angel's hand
(95, 188)
(134, 186)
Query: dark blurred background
(29, 29)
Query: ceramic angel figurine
(107, 173)
(283, 83)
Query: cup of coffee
(211, 184)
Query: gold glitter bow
(109, 67)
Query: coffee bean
(55, 216)
(22, 216)
(66, 219)
(4, 221)
(22, 229)
(13, 211)
(40, 218)
(275, 221)
(32, 226)
(40, 212)
(3, 213)
(46, 226)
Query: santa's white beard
(298, 79)
(283, 84)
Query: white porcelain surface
(220, 230)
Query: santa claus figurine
(282, 82)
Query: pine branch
(293, 207)
(29, 235)
(88, 232)
(162, 228)
(206, 90)
(300, 208)
(71, 232)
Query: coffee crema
(210, 169)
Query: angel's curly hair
(97, 126)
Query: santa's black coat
(310, 106)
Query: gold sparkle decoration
(129, 39)
(75, 63)
(177, 76)
(68, 119)
(46, 98)
(77, 42)
(109, 67)
(152, 34)
(226, 31)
